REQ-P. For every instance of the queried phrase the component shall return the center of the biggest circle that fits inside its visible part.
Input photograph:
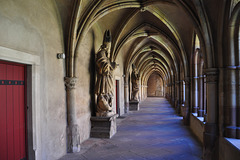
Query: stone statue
(135, 83)
(104, 84)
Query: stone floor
(154, 132)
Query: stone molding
(211, 75)
(187, 80)
(70, 82)
(233, 4)
(231, 67)
(212, 78)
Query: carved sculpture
(104, 84)
(135, 83)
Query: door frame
(120, 109)
(32, 88)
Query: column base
(133, 105)
(194, 109)
(73, 136)
(185, 114)
(200, 113)
(103, 127)
(126, 109)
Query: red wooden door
(12, 111)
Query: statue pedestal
(133, 105)
(103, 127)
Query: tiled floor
(153, 133)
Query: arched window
(197, 79)
(197, 42)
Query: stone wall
(85, 71)
(155, 86)
(197, 127)
(33, 28)
(227, 150)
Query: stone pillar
(200, 97)
(230, 105)
(181, 92)
(126, 97)
(184, 91)
(169, 91)
(177, 99)
(195, 95)
(186, 107)
(238, 103)
(73, 136)
(210, 132)
(204, 97)
(200, 89)
(173, 91)
(191, 94)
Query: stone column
(238, 103)
(177, 99)
(169, 86)
(195, 95)
(73, 136)
(230, 105)
(126, 97)
(204, 97)
(200, 97)
(169, 91)
(186, 107)
(181, 92)
(200, 89)
(210, 132)
(191, 93)
(173, 91)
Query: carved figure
(104, 84)
(135, 83)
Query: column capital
(232, 67)
(211, 75)
(70, 82)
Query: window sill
(234, 142)
(201, 119)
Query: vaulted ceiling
(155, 35)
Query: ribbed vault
(146, 33)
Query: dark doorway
(117, 98)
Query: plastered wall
(33, 28)
(155, 86)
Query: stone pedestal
(133, 105)
(103, 127)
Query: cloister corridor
(154, 132)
